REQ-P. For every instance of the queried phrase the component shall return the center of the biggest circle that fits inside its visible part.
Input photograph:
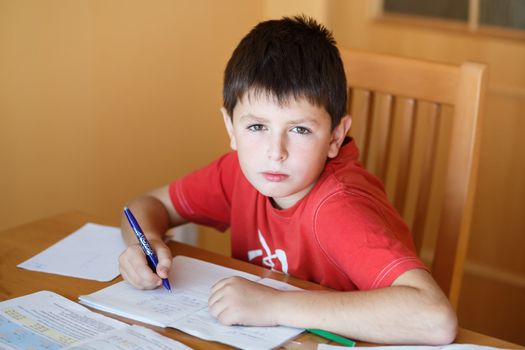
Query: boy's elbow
(444, 326)
(449, 330)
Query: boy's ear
(338, 135)
(228, 122)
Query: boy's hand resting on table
(238, 301)
(134, 267)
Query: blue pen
(153, 261)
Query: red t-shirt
(343, 234)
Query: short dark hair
(291, 57)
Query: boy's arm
(155, 214)
(411, 311)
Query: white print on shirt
(268, 259)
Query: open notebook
(186, 307)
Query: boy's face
(283, 149)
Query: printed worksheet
(91, 252)
(130, 338)
(186, 307)
(48, 321)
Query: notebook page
(186, 307)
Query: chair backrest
(404, 111)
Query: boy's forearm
(152, 217)
(398, 314)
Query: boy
(297, 201)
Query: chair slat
(368, 117)
(406, 142)
(360, 110)
(379, 137)
(423, 199)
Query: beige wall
(101, 100)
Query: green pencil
(332, 337)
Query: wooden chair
(417, 124)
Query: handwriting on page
(186, 308)
(175, 303)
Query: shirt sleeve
(204, 196)
(366, 241)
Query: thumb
(164, 265)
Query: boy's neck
(290, 201)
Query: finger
(139, 270)
(133, 267)
(148, 278)
(215, 307)
(138, 281)
(165, 260)
(215, 297)
(227, 318)
(219, 284)
(131, 278)
(126, 270)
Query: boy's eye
(256, 127)
(301, 130)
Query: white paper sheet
(186, 307)
(91, 252)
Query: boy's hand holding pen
(129, 267)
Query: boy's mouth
(275, 177)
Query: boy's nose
(277, 149)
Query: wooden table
(20, 243)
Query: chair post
(461, 179)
